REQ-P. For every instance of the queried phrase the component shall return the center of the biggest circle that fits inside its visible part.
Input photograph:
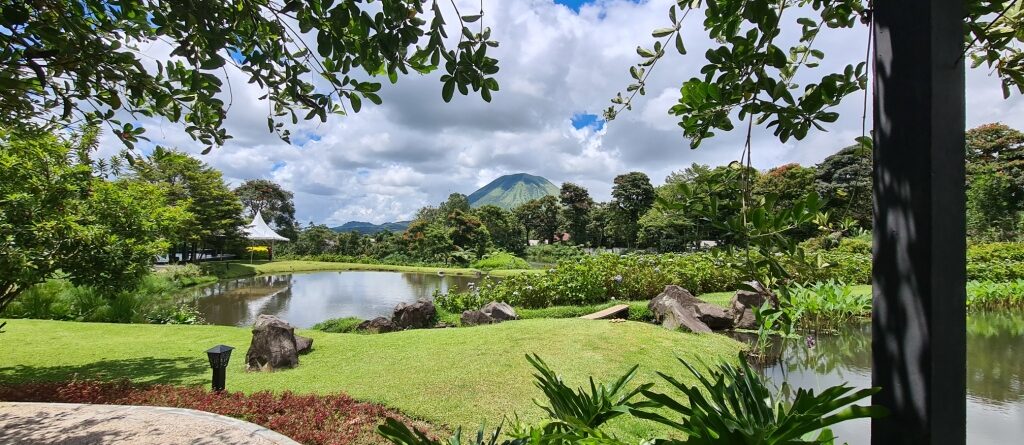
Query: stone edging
(249, 428)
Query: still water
(306, 299)
(995, 375)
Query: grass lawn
(235, 269)
(448, 377)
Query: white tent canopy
(260, 231)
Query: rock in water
(273, 345)
(418, 315)
(475, 318)
(378, 325)
(499, 312)
(743, 304)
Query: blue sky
(574, 4)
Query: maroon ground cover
(310, 419)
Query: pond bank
(235, 269)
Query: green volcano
(510, 191)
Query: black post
(219, 378)
(919, 275)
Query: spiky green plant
(732, 405)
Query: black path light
(219, 356)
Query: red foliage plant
(334, 419)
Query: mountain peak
(512, 190)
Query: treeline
(672, 217)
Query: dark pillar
(919, 326)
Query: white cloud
(386, 161)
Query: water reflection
(306, 299)
(995, 374)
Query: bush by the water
(999, 262)
(338, 325)
(983, 295)
(500, 260)
(828, 305)
(153, 301)
(553, 253)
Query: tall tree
(275, 204)
(576, 204)
(66, 60)
(633, 195)
(57, 215)
(455, 201)
(540, 217)
(200, 189)
(844, 180)
(506, 232)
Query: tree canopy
(68, 61)
(272, 201)
(58, 214)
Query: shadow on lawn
(139, 370)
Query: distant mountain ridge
(510, 191)
(367, 228)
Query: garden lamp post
(219, 356)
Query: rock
(273, 345)
(744, 318)
(675, 308)
(743, 303)
(418, 315)
(715, 317)
(499, 312)
(475, 318)
(378, 325)
(303, 344)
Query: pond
(307, 299)
(995, 374)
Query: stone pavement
(80, 424)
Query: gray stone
(273, 345)
(475, 318)
(378, 325)
(303, 344)
(418, 315)
(745, 301)
(675, 309)
(715, 317)
(499, 312)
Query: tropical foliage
(67, 61)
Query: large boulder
(499, 312)
(676, 308)
(378, 325)
(273, 345)
(418, 315)
(475, 318)
(303, 344)
(743, 303)
(715, 317)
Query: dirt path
(78, 424)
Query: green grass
(445, 376)
(235, 269)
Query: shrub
(186, 275)
(983, 295)
(828, 305)
(553, 253)
(184, 313)
(995, 262)
(500, 260)
(456, 302)
(338, 325)
(308, 419)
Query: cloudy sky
(561, 61)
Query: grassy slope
(244, 269)
(447, 376)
